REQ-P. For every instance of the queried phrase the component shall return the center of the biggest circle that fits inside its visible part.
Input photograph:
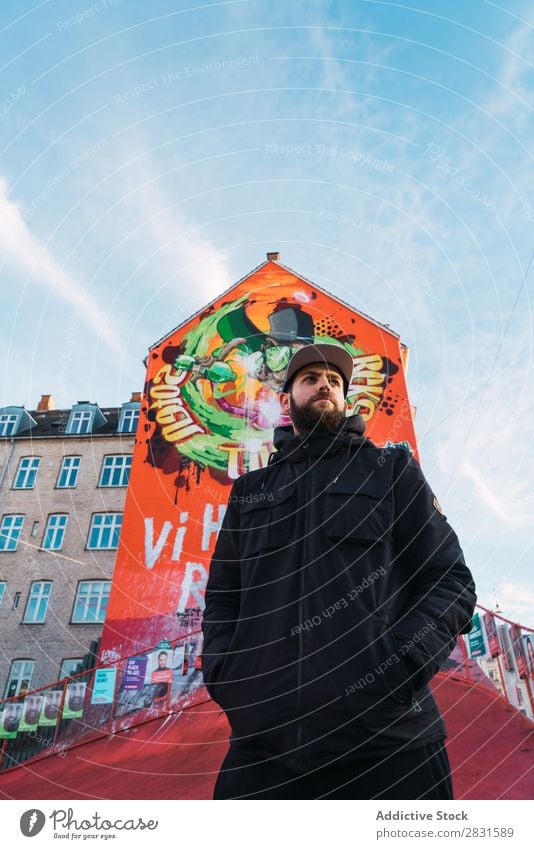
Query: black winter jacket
(336, 591)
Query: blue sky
(152, 153)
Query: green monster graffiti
(231, 390)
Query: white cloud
(158, 234)
(42, 269)
(516, 601)
(512, 94)
(489, 491)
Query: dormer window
(14, 421)
(80, 421)
(8, 424)
(129, 418)
(84, 418)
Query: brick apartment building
(63, 479)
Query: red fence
(114, 696)
(106, 699)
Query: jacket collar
(294, 448)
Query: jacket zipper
(300, 764)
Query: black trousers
(422, 773)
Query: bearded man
(337, 590)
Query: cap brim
(324, 353)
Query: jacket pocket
(359, 509)
(267, 521)
(392, 668)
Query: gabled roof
(285, 268)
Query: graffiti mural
(210, 405)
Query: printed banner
(477, 646)
(10, 718)
(159, 670)
(50, 709)
(104, 686)
(519, 651)
(134, 676)
(528, 642)
(74, 700)
(33, 705)
(491, 634)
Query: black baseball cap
(327, 353)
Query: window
(54, 532)
(104, 531)
(116, 470)
(2, 590)
(8, 424)
(10, 532)
(16, 600)
(68, 473)
(26, 473)
(70, 666)
(80, 421)
(91, 601)
(35, 613)
(19, 678)
(129, 420)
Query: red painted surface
(491, 748)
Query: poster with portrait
(519, 651)
(491, 634)
(33, 705)
(10, 717)
(74, 700)
(160, 664)
(50, 708)
(528, 642)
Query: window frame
(62, 675)
(20, 678)
(28, 475)
(101, 528)
(131, 414)
(79, 417)
(58, 530)
(112, 467)
(9, 537)
(69, 472)
(41, 598)
(100, 608)
(8, 419)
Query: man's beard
(308, 418)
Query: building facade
(63, 481)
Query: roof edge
(339, 300)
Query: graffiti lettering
(179, 538)
(177, 424)
(193, 584)
(210, 527)
(152, 552)
(241, 460)
(153, 548)
(367, 383)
